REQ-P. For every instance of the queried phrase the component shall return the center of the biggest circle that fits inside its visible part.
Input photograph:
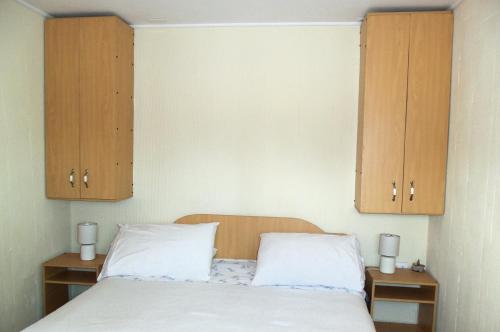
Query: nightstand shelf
(408, 287)
(65, 270)
(423, 294)
(71, 277)
(399, 327)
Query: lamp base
(87, 252)
(387, 264)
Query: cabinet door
(381, 126)
(426, 143)
(62, 159)
(98, 161)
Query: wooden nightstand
(64, 270)
(404, 286)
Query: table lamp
(388, 249)
(87, 237)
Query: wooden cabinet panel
(381, 126)
(125, 105)
(62, 108)
(429, 75)
(98, 88)
(361, 100)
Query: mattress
(227, 303)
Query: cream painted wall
(32, 228)
(257, 121)
(464, 243)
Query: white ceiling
(223, 12)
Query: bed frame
(238, 237)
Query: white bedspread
(117, 304)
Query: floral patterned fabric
(233, 271)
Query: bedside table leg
(426, 316)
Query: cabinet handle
(72, 178)
(86, 178)
(412, 190)
(394, 191)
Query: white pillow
(178, 251)
(301, 259)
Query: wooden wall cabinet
(88, 108)
(403, 112)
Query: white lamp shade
(388, 245)
(87, 233)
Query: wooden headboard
(239, 236)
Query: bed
(227, 302)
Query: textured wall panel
(32, 228)
(464, 244)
